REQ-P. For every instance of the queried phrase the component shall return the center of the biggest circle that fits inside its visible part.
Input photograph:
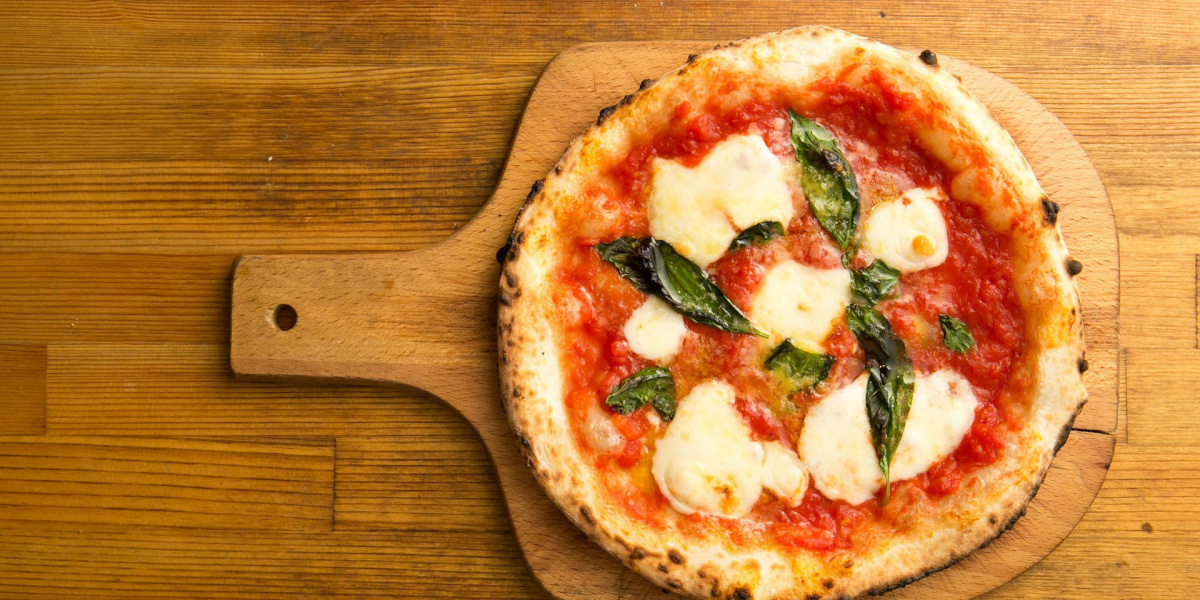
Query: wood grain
(413, 319)
(284, 485)
(23, 389)
(84, 200)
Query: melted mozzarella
(908, 233)
(655, 331)
(835, 445)
(707, 460)
(801, 303)
(942, 412)
(600, 432)
(784, 474)
(700, 210)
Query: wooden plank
(1158, 295)
(428, 482)
(115, 562)
(187, 390)
(1152, 211)
(48, 297)
(261, 32)
(22, 389)
(283, 484)
(1160, 385)
(289, 203)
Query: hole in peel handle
(284, 317)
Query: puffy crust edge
(533, 394)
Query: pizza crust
(1002, 185)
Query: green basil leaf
(757, 235)
(652, 385)
(805, 369)
(654, 267)
(826, 178)
(955, 334)
(874, 283)
(890, 383)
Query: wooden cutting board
(427, 319)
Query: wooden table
(143, 147)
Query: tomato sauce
(872, 123)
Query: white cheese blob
(835, 445)
(655, 331)
(700, 210)
(707, 460)
(942, 413)
(784, 474)
(600, 432)
(800, 302)
(908, 233)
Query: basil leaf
(955, 334)
(757, 235)
(874, 283)
(654, 267)
(890, 383)
(805, 369)
(652, 385)
(826, 178)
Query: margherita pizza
(793, 321)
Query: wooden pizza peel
(428, 319)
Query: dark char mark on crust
(605, 113)
(1074, 267)
(1049, 211)
(929, 58)
(645, 84)
(1083, 365)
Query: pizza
(793, 321)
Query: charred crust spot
(524, 442)
(673, 584)
(558, 169)
(502, 299)
(645, 84)
(637, 554)
(502, 253)
(663, 568)
(587, 515)
(1074, 267)
(1083, 365)
(510, 279)
(849, 563)
(827, 584)
(813, 597)
(928, 57)
(993, 519)
(692, 57)
(675, 557)
(626, 100)
(605, 113)
(715, 592)
(535, 189)
(742, 593)
(1049, 211)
